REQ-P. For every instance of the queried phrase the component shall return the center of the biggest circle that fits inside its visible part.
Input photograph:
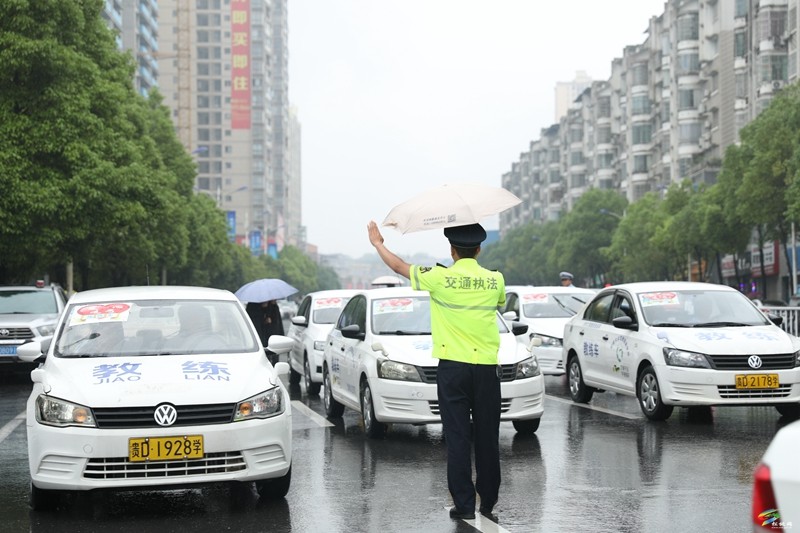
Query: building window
(742, 8)
(665, 109)
(605, 160)
(576, 158)
(689, 27)
(773, 67)
(740, 44)
(639, 74)
(604, 135)
(604, 107)
(686, 99)
(640, 105)
(641, 163)
(641, 134)
(689, 133)
(688, 63)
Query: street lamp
(604, 211)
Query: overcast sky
(398, 96)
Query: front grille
(142, 417)
(778, 361)
(731, 392)
(428, 373)
(16, 334)
(121, 468)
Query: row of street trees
(92, 173)
(607, 241)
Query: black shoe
(486, 508)
(457, 514)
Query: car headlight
(528, 368)
(319, 346)
(388, 369)
(264, 405)
(675, 357)
(553, 342)
(797, 358)
(46, 330)
(54, 412)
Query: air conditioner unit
(777, 84)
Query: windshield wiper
(404, 332)
(670, 325)
(719, 324)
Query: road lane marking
(318, 420)
(595, 408)
(6, 430)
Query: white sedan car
(378, 361)
(681, 344)
(776, 483)
(315, 318)
(546, 310)
(156, 387)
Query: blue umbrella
(262, 290)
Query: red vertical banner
(240, 64)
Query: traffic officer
(566, 279)
(464, 303)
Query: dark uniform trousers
(466, 389)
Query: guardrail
(791, 317)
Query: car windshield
(407, 316)
(154, 327)
(326, 310)
(28, 302)
(544, 305)
(698, 308)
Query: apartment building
(135, 24)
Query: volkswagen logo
(754, 361)
(4, 332)
(165, 415)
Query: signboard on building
(230, 218)
(256, 244)
(240, 64)
(771, 263)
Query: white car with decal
(156, 387)
(315, 318)
(546, 309)
(681, 344)
(378, 361)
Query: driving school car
(681, 344)
(154, 387)
(378, 362)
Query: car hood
(29, 320)
(417, 349)
(141, 381)
(755, 340)
(551, 327)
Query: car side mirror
(775, 319)
(625, 322)
(299, 320)
(353, 332)
(518, 328)
(510, 315)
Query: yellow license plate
(757, 381)
(165, 448)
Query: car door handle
(605, 337)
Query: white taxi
(378, 362)
(681, 344)
(309, 328)
(546, 309)
(155, 387)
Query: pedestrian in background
(566, 279)
(267, 319)
(464, 303)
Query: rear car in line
(378, 362)
(545, 309)
(315, 318)
(156, 387)
(681, 344)
(28, 313)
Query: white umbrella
(263, 290)
(454, 204)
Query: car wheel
(578, 390)
(527, 427)
(789, 410)
(311, 387)
(44, 500)
(333, 409)
(373, 428)
(294, 376)
(649, 394)
(274, 489)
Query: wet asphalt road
(596, 468)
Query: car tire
(294, 376)
(311, 387)
(43, 499)
(578, 390)
(789, 410)
(527, 427)
(333, 409)
(274, 489)
(373, 428)
(648, 392)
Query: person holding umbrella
(464, 303)
(267, 319)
